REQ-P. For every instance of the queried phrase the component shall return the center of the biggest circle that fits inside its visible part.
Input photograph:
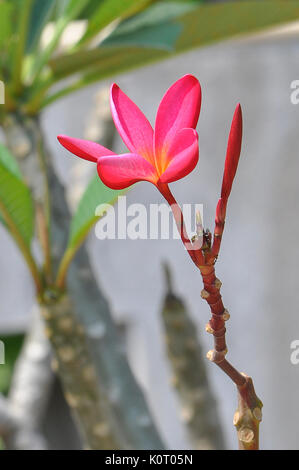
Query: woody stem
(179, 220)
(248, 414)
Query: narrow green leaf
(160, 36)
(5, 21)
(160, 12)
(110, 10)
(60, 8)
(24, 10)
(206, 24)
(200, 26)
(72, 9)
(11, 165)
(40, 14)
(90, 9)
(15, 199)
(210, 23)
(84, 218)
(96, 193)
(114, 61)
(13, 344)
(8, 162)
(147, 29)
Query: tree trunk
(85, 312)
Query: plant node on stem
(248, 416)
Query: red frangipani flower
(163, 155)
(160, 156)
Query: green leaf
(15, 200)
(104, 61)
(161, 12)
(40, 14)
(110, 10)
(60, 7)
(202, 25)
(7, 161)
(11, 165)
(13, 345)
(205, 24)
(96, 193)
(71, 11)
(5, 21)
(23, 8)
(147, 29)
(84, 218)
(160, 36)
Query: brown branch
(179, 220)
(248, 414)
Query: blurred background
(258, 259)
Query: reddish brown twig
(179, 220)
(204, 252)
(248, 414)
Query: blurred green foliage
(13, 344)
(119, 35)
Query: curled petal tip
(113, 88)
(238, 113)
(61, 138)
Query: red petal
(178, 109)
(232, 153)
(86, 149)
(121, 171)
(182, 157)
(132, 125)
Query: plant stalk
(248, 414)
(85, 395)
